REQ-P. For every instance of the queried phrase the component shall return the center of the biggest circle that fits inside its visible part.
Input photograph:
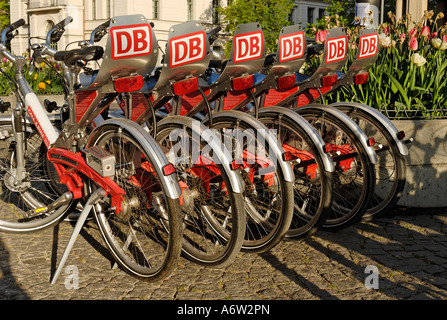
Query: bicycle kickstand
(92, 200)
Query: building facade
(42, 15)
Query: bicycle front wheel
(145, 237)
(23, 190)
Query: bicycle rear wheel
(354, 176)
(390, 167)
(268, 191)
(312, 192)
(214, 217)
(145, 237)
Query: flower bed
(44, 78)
(408, 78)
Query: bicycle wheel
(312, 188)
(214, 217)
(391, 165)
(268, 195)
(19, 198)
(144, 238)
(354, 176)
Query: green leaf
(399, 88)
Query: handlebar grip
(105, 24)
(16, 25)
(64, 22)
(215, 30)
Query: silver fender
(275, 148)
(387, 124)
(208, 136)
(313, 134)
(349, 122)
(155, 154)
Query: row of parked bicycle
(205, 157)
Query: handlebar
(55, 34)
(16, 24)
(99, 32)
(7, 34)
(212, 35)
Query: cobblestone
(408, 248)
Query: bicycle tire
(214, 216)
(145, 238)
(352, 187)
(269, 216)
(312, 185)
(391, 165)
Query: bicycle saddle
(86, 54)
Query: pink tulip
(413, 32)
(413, 44)
(402, 37)
(425, 32)
(320, 36)
(4, 59)
(444, 38)
(434, 35)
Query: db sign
(368, 45)
(336, 49)
(291, 46)
(131, 41)
(248, 46)
(187, 49)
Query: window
(190, 8)
(310, 15)
(291, 17)
(155, 9)
(216, 4)
(93, 9)
(321, 13)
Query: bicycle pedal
(100, 160)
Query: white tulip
(436, 43)
(418, 60)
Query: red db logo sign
(248, 46)
(368, 45)
(291, 46)
(131, 41)
(336, 49)
(187, 49)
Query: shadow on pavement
(9, 289)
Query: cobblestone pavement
(409, 250)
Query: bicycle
(349, 147)
(390, 143)
(211, 201)
(117, 171)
